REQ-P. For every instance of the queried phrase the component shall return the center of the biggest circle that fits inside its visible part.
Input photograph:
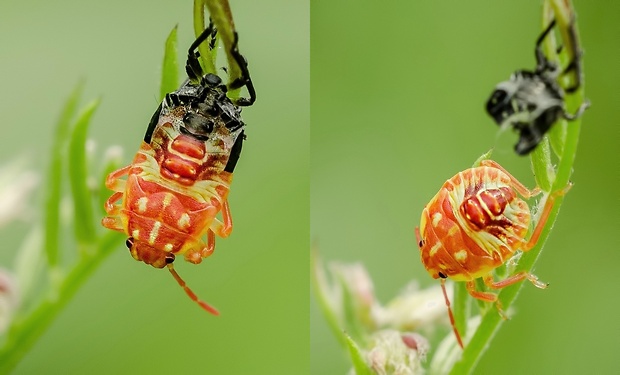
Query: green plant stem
(492, 321)
(23, 334)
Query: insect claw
(537, 283)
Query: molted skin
(179, 181)
(473, 225)
(532, 101)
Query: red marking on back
(179, 169)
(189, 146)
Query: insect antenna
(190, 293)
(456, 331)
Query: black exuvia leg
(193, 67)
(575, 64)
(541, 61)
(582, 108)
(245, 79)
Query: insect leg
(519, 276)
(201, 250)
(113, 222)
(541, 60)
(575, 64)
(223, 229)
(485, 296)
(582, 108)
(110, 207)
(544, 216)
(113, 181)
(245, 79)
(210, 244)
(193, 67)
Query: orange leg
(110, 207)
(519, 276)
(113, 222)
(543, 218)
(196, 256)
(491, 283)
(223, 229)
(486, 296)
(483, 296)
(113, 181)
(207, 251)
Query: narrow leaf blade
(78, 177)
(170, 67)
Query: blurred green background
(398, 94)
(130, 318)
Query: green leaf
(78, 177)
(357, 357)
(54, 176)
(170, 67)
(29, 263)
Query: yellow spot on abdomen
(142, 204)
(167, 199)
(460, 256)
(434, 249)
(436, 218)
(135, 233)
(154, 232)
(168, 247)
(183, 221)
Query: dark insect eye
(421, 243)
(129, 242)
(442, 275)
(169, 258)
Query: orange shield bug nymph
(476, 223)
(180, 178)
